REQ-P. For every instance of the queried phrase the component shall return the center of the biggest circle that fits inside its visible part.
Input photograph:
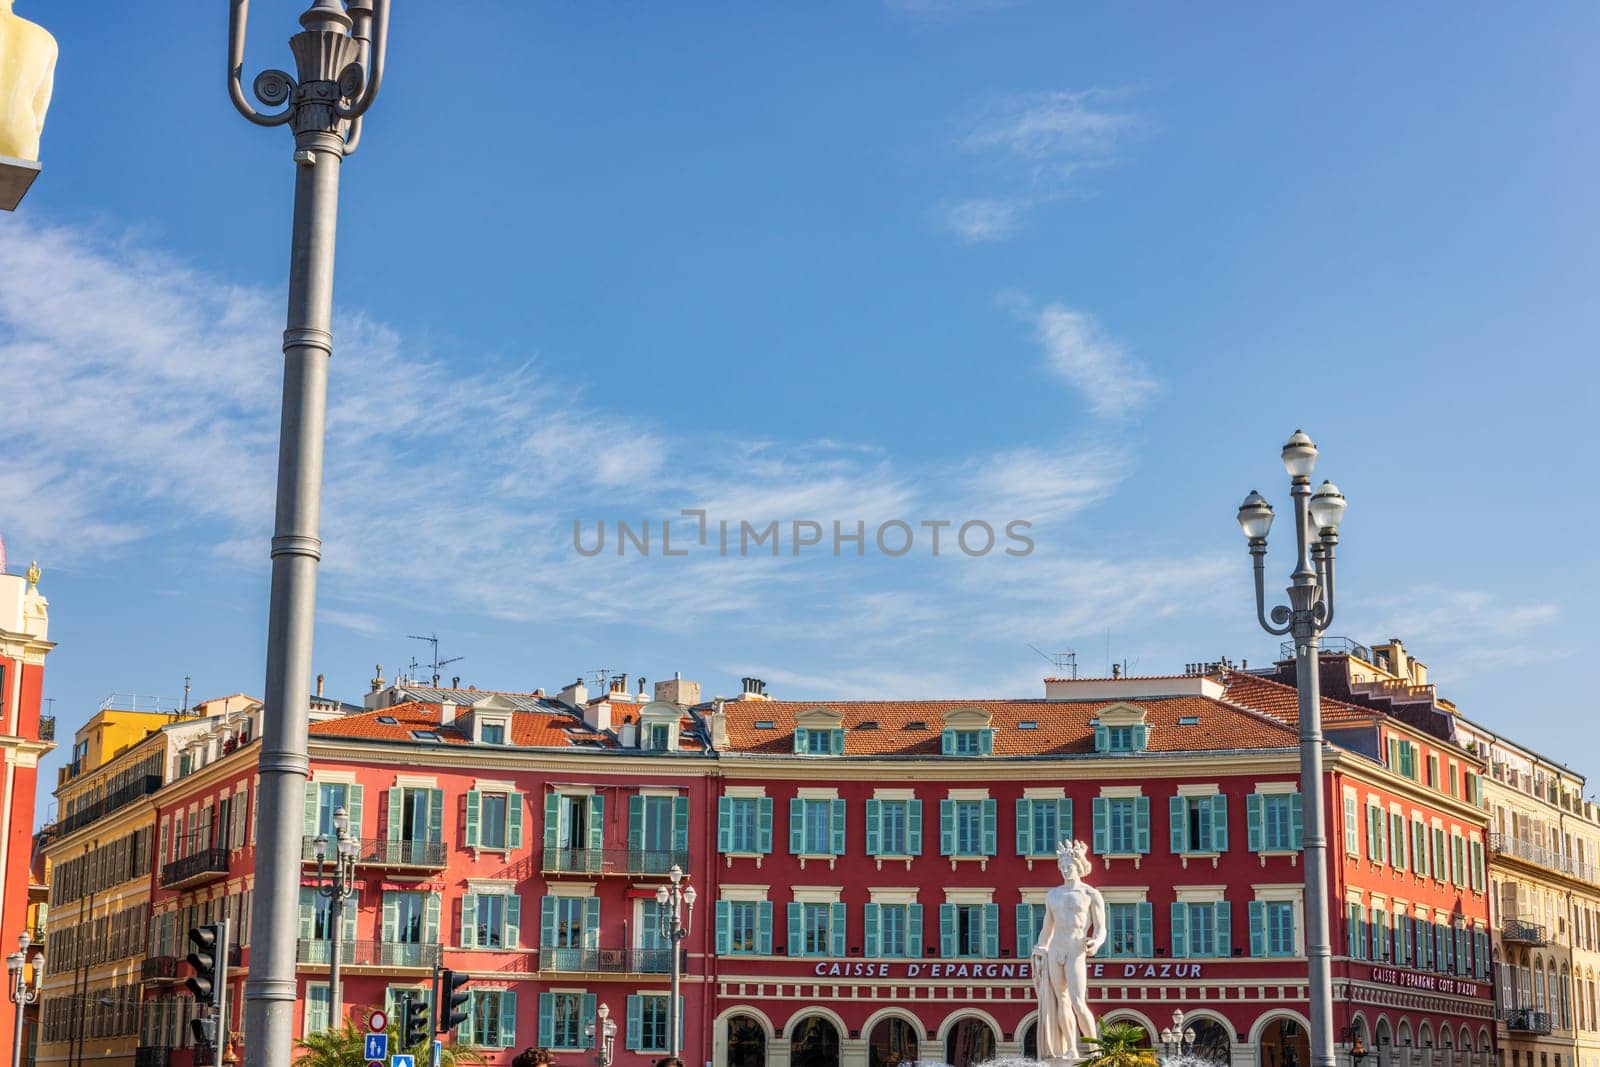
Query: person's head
(1072, 857)
(528, 1057)
(669, 1061)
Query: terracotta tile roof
(530, 729)
(1282, 702)
(1062, 727)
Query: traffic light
(208, 952)
(451, 999)
(413, 1023)
(204, 1030)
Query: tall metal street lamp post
(339, 885)
(602, 1034)
(19, 992)
(1177, 1040)
(339, 64)
(1310, 611)
(675, 906)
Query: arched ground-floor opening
(893, 1041)
(970, 1042)
(814, 1042)
(747, 1042)
(1212, 1040)
(1284, 1043)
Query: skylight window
(1027, 724)
(425, 735)
(766, 724)
(388, 720)
(869, 724)
(1189, 720)
(916, 724)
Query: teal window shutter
(947, 828)
(547, 1019)
(1296, 821)
(1064, 818)
(914, 930)
(591, 922)
(1102, 739)
(1102, 838)
(837, 813)
(764, 825)
(990, 827)
(914, 827)
(1180, 925)
(947, 930)
(869, 930)
(552, 825)
(1147, 930)
(947, 742)
(1255, 834)
(1025, 935)
(312, 814)
(764, 927)
(680, 824)
(395, 829)
(597, 827)
(353, 806)
(1141, 738)
(797, 826)
(469, 920)
(1178, 824)
(1219, 823)
(724, 935)
(1258, 928)
(985, 742)
(836, 745)
(513, 821)
(1350, 929)
(431, 908)
(587, 1012)
(635, 1021)
(513, 931)
(636, 823)
(464, 1031)
(1141, 827)
(797, 939)
(547, 922)
(1224, 928)
(874, 832)
(1024, 829)
(836, 929)
(474, 803)
(436, 815)
(508, 1018)
(801, 739)
(991, 931)
(391, 916)
(308, 906)
(724, 824)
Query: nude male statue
(28, 69)
(1074, 929)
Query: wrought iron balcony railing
(1550, 859)
(47, 727)
(1523, 932)
(109, 803)
(606, 960)
(1527, 1021)
(389, 954)
(612, 861)
(158, 969)
(382, 852)
(202, 866)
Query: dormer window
(658, 737)
(1121, 729)
(492, 733)
(819, 732)
(659, 725)
(967, 732)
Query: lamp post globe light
(1317, 516)
(604, 1027)
(1175, 1040)
(675, 906)
(339, 66)
(19, 992)
(337, 886)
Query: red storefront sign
(1434, 983)
(928, 970)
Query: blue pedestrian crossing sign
(377, 1046)
(402, 1059)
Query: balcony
(624, 861)
(606, 960)
(159, 969)
(47, 727)
(1527, 1021)
(109, 803)
(381, 852)
(152, 1056)
(387, 955)
(1549, 859)
(203, 866)
(1522, 932)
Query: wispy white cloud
(1083, 355)
(1469, 631)
(1031, 149)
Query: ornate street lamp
(339, 885)
(339, 65)
(1309, 612)
(606, 1029)
(19, 992)
(675, 907)
(1175, 1039)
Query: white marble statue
(1074, 929)
(27, 75)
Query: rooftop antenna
(1064, 662)
(186, 681)
(433, 639)
(601, 676)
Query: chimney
(718, 721)
(619, 684)
(575, 695)
(319, 685)
(641, 689)
(678, 691)
(447, 713)
(597, 716)
(1116, 670)
(455, 682)
(754, 689)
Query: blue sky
(919, 260)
